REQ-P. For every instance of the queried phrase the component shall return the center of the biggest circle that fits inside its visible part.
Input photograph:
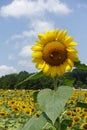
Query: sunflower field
(17, 106)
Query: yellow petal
(40, 65)
(61, 34)
(68, 39)
(68, 68)
(37, 48)
(48, 72)
(70, 62)
(70, 44)
(37, 60)
(38, 43)
(46, 68)
(50, 36)
(73, 56)
(73, 44)
(53, 71)
(69, 49)
(60, 70)
(56, 32)
(42, 37)
(37, 54)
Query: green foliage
(22, 75)
(65, 123)
(8, 81)
(84, 86)
(16, 81)
(80, 76)
(53, 102)
(35, 123)
(68, 81)
(81, 104)
(31, 77)
(79, 65)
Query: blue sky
(22, 20)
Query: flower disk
(54, 53)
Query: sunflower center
(54, 53)
(85, 126)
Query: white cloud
(18, 8)
(11, 57)
(37, 26)
(4, 70)
(55, 6)
(28, 65)
(24, 34)
(15, 36)
(25, 63)
(29, 33)
(41, 26)
(26, 51)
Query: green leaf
(82, 105)
(53, 102)
(79, 65)
(35, 123)
(35, 96)
(65, 123)
(49, 126)
(34, 76)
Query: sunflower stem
(55, 80)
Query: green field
(17, 106)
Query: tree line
(77, 79)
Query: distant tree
(8, 81)
(84, 86)
(76, 78)
(80, 77)
(20, 77)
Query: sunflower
(70, 101)
(69, 113)
(28, 111)
(78, 109)
(84, 126)
(54, 53)
(1, 102)
(3, 113)
(85, 118)
(77, 119)
(37, 114)
(15, 108)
